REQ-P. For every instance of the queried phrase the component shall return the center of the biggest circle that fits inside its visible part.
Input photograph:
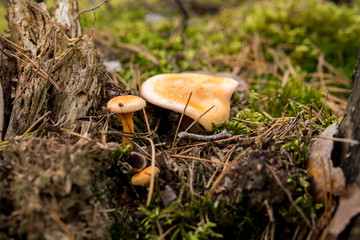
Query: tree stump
(48, 180)
(58, 69)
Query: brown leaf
(327, 178)
(349, 207)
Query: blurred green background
(222, 27)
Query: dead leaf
(349, 207)
(327, 178)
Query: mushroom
(124, 107)
(143, 178)
(172, 91)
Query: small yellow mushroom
(124, 107)
(143, 178)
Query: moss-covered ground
(294, 60)
(266, 43)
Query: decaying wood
(348, 154)
(54, 51)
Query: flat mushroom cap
(126, 104)
(171, 91)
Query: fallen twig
(269, 210)
(75, 134)
(162, 236)
(235, 137)
(90, 9)
(34, 124)
(345, 140)
(20, 50)
(196, 158)
(13, 45)
(41, 72)
(198, 137)
(225, 160)
(290, 125)
(61, 224)
(224, 172)
(195, 121)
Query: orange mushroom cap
(124, 107)
(171, 91)
(143, 178)
(126, 104)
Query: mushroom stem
(128, 125)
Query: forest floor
(293, 62)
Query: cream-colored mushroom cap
(143, 178)
(125, 104)
(171, 91)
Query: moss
(200, 219)
(231, 127)
(60, 174)
(298, 148)
(330, 120)
(293, 24)
(334, 29)
(251, 116)
(118, 153)
(296, 90)
(303, 199)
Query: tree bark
(348, 155)
(56, 48)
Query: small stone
(168, 196)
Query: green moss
(290, 26)
(330, 120)
(200, 219)
(298, 148)
(295, 90)
(188, 219)
(334, 29)
(118, 153)
(231, 127)
(251, 116)
(303, 199)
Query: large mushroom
(172, 91)
(124, 107)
